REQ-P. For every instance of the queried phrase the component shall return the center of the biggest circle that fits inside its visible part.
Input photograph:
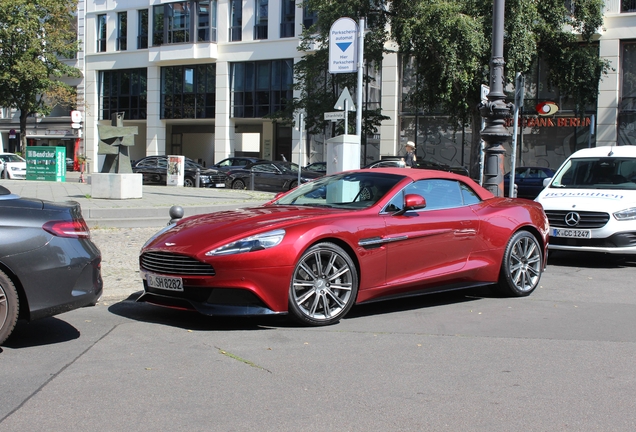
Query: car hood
(223, 227)
(600, 200)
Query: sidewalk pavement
(152, 210)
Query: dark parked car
(155, 171)
(235, 163)
(319, 167)
(273, 176)
(48, 264)
(344, 239)
(529, 181)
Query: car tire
(521, 265)
(238, 184)
(9, 306)
(188, 182)
(293, 184)
(324, 285)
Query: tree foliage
(37, 39)
(449, 45)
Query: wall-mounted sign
(551, 122)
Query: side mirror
(412, 202)
(546, 181)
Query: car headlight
(627, 214)
(250, 244)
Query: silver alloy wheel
(324, 285)
(188, 182)
(524, 264)
(238, 184)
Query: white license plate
(220, 185)
(164, 282)
(572, 233)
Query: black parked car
(273, 176)
(48, 264)
(319, 167)
(155, 171)
(529, 181)
(236, 163)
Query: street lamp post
(495, 110)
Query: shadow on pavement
(189, 320)
(422, 301)
(590, 259)
(46, 331)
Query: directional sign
(343, 46)
(334, 116)
(345, 96)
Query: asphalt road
(559, 360)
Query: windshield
(597, 173)
(11, 158)
(345, 190)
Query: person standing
(410, 157)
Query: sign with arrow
(345, 99)
(343, 46)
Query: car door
(434, 243)
(267, 177)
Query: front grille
(588, 219)
(170, 263)
(218, 178)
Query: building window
(206, 21)
(260, 88)
(309, 17)
(288, 18)
(101, 33)
(142, 29)
(123, 90)
(236, 20)
(173, 23)
(627, 107)
(628, 6)
(178, 22)
(122, 31)
(188, 91)
(260, 22)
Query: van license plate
(571, 233)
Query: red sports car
(347, 238)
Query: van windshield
(597, 173)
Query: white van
(591, 201)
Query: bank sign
(343, 46)
(46, 163)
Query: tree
(319, 90)
(36, 36)
(449, 45)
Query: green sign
(46, 163)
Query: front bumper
(618, 243)
(208, 301)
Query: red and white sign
(76, 116)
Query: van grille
(587, 219)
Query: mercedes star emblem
(572, 219)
